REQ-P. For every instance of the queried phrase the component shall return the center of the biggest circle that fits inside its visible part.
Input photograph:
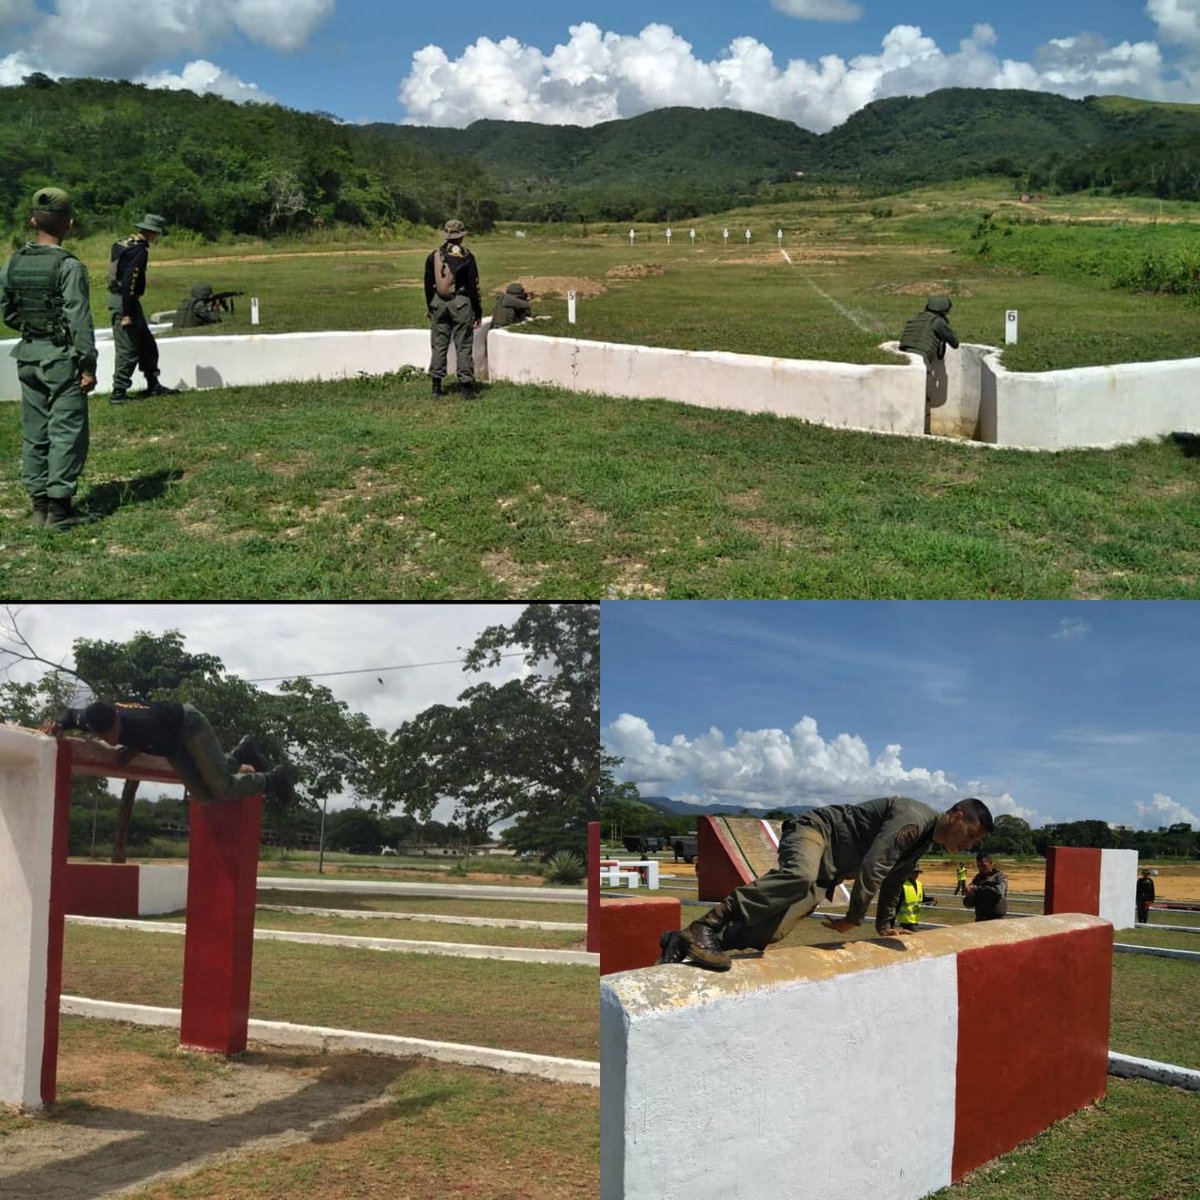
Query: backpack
(443, 275)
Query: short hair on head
(975, 811)
(99, 716)
(55, 224)
(984, 856)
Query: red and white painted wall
(125, 889)
(886, 1067)
(1100, 882)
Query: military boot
(437, 389)
(61, 515)
(279, 785)
(673, 947)
(159, 389)
(703, 937)
(41, 509)
(120, 398)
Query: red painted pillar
(593, 905)
(60, 840)
(219, 943)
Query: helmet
(515, 289)
(202, 291)
(938, 304)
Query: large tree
(527, 751)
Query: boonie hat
(152, 223)
(454, 229)
(51, 199)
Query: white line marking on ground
(870, 325)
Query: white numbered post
(668, 237)
(726, 236)
(747, 235)
(1010, 327)
(779, 236)
(253, 310)
(692, 235)
(632, 235)
(571, 308)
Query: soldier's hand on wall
(839, 924)
(53, 728)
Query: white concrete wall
(27, 762)
(1118, 887)
(161, 889)
(887, 399)
(862, 1103)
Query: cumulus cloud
(1162, 810)
(819, 10)
(1176, 20)
(202, 77)
(599, 76)
(1071, 629)
(124, 39)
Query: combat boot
(279, 785)
(41, 509)
(120, 398)
(437, 389)
(61, 515)
(703, 937)
(673, 947)
(470, 390)
(160, 389)
(248, 754)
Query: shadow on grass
(1188, 443)
(104, 499)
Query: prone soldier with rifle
(203, 306)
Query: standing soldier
(455, 308)
(960, 878)
(987, 893)
(44, 294)
(912, 896)
(134, 343)
(1145, 896)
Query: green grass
(513, 1006)
(443, 906)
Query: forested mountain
(220, 168)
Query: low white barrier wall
(886, 399)
(161, 889)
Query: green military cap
(454, 229)
(152, 223)
(202, 291)
(938, 304)
(51, 199)
(515, 289)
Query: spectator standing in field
(987, 893)
(454, 307)
(44, 295)
(1145, 896)
(878, 842)
(912, 896)
(133, 340)
(960, 876)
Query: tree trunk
(124, 813)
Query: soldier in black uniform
(877, 842)
(455, 308)
(134, 342)
(182, 735)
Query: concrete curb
(458, 891)
(1124, 1066)
(1156, 951)
(317, 1037)
(482, 922)
(578, 958)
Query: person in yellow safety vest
(960, 872)
(912, 896)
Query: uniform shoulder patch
(907, 837)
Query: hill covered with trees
(222, 169)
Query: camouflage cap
(152, 223)
(515, 289)
(454, 229)
(51, 199)
(938, 304)
(202, 291)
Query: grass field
(366, 490)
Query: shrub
(565, 867)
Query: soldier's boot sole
(673, 947)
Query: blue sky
(811, 61)
(1048, 711)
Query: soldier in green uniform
(197, 308)
(512, 307)
(929, 333)
(454, 307)
(877, 842)
(133, 340)
(44, 294)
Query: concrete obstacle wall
(1100, 882)
(125, 889)
(27, 826)
(630, 929)
(888, 1067)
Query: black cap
(99, 717)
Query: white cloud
(1177, 20)
(598, 76)
(1162, 810)
(202, 77)
(819, 10)
(124, 39)
(1071, 629)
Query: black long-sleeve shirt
(127, 272)
(466, 275)
(154, 728)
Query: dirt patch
(779, 536)
(745, 501)
(258, 258)
(926, 287)
(560, 285)
(629, 583)
(634, 271)
(501, 567)
(399, 283)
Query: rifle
(223, 301)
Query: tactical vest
(114, 261)
(909, 912)
(918, 336)
(34, 274)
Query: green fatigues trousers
(54, 427)
(452, 321)
(207, 771)
(134, 346)
(773, 904)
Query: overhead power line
(445, 662)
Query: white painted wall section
(161, 889)
(1118, 887)
(778, 1049)
(27, 763)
